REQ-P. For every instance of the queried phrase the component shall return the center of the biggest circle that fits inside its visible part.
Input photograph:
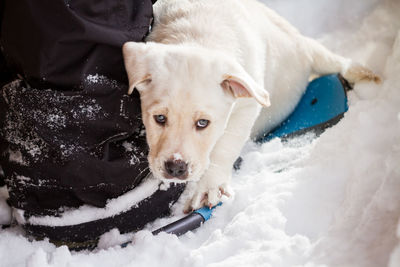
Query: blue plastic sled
(322, 105)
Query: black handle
(188, 223)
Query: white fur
(270, 58)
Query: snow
(100, 79)
(177, 156)
(50, 112)
(88, 213)
(136, 153)
(16, 156)
(327, 201)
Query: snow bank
(328, 201)
(364, 227)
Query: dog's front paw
(207, 195)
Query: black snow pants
(70, 136)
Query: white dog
(207, 68)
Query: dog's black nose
(176, 168)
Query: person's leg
(69, 133)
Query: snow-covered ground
(327, 201)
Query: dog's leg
(215, 181)
(326, 62)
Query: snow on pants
(71, 139)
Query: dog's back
(265, 44)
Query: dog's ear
(135, 67)
(242, 85)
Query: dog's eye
(201, 124)
(160, 119)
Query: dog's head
(186, 94)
